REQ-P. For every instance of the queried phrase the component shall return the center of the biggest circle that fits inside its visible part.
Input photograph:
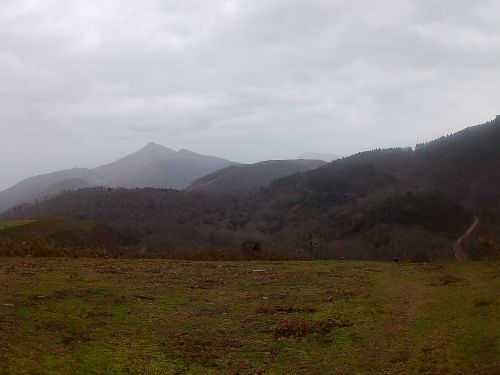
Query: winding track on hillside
(458, 249)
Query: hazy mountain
(152, 166)
(404, 202)
(251, 176)
(40, 186)
(114, 173)
(159, 167)
(325, 156)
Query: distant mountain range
(153, 166)
(156, 166)
(237, 178)
(410, 203)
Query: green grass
(85, 316)
(14, 223)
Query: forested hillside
(406, 203)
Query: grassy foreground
(84, 316)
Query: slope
(251, 176)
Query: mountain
(410, 203)
(325, 156)
(152, 166)
(158, 167)
(246, 177)
(38, 187)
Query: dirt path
(458, 249)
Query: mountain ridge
(153, 165)
(401, 202)
(247, 177)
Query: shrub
(421, 257)
(251, 249)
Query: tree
(309, 240)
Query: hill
(152, 219)
(407, 203)
(324, 156)
(409, 226)
(246, 177)
(60, 237)
(464, 165)
(152, 166)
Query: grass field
(14, 223)
(82, 316)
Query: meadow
(14, 223)
(117, 316)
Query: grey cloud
(85, 82)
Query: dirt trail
(458, 249)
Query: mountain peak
(154, 151)
(151, 146)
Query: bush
(421, 257)
(251, 249)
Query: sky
(83, 83)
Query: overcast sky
(85, 82)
